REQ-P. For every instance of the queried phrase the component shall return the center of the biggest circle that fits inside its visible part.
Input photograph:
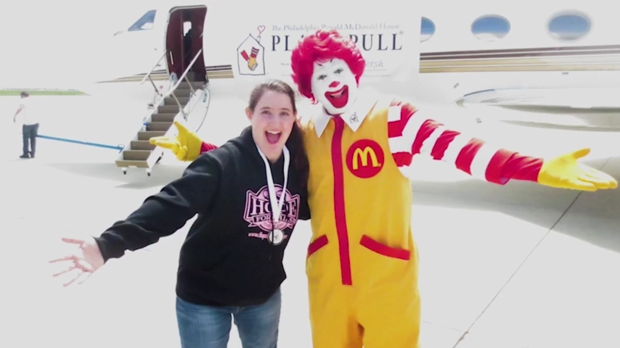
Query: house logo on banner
(389, 48)
(251, 55)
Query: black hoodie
(226, 259)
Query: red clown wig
(321, 47)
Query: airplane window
(571, 26)
(145, 22)
(490, 28)
(428, 29)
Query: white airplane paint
(481, 52)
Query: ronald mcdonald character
(362, 262)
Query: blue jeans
(209, 327)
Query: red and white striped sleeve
(412, 132)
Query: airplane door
(183, 45)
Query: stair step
(141, 145)
(195, 84)
(163, 117)
(183, 94)
(158, 126)
(171, 101)
(165, 109)
(136, 155)
(183, 91)
(146, 135)
(128, 163)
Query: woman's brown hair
(295, 142)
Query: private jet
(176, 57)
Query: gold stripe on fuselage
(575, 58)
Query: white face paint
(334, 86)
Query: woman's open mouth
(273, 137)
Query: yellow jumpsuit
(362, 263)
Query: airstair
(184, 99)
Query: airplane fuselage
(485, 47)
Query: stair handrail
(191, 64)
(178, 82)
(148, 76)
(153, 69)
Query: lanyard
(276, 207)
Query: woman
(231, 260)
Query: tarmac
(509, 266)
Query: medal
(276, 236)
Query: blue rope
(80, 142)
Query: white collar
(366, 100)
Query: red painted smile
(339, 98)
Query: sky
(39, 41)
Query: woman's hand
(82, 263)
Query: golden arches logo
(365, 158)
(361, 156)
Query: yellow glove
(252, 63)
(565, 172)
(185, 146)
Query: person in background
(30, 126)
(248, 202)
(187, 47)
(188, 39)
